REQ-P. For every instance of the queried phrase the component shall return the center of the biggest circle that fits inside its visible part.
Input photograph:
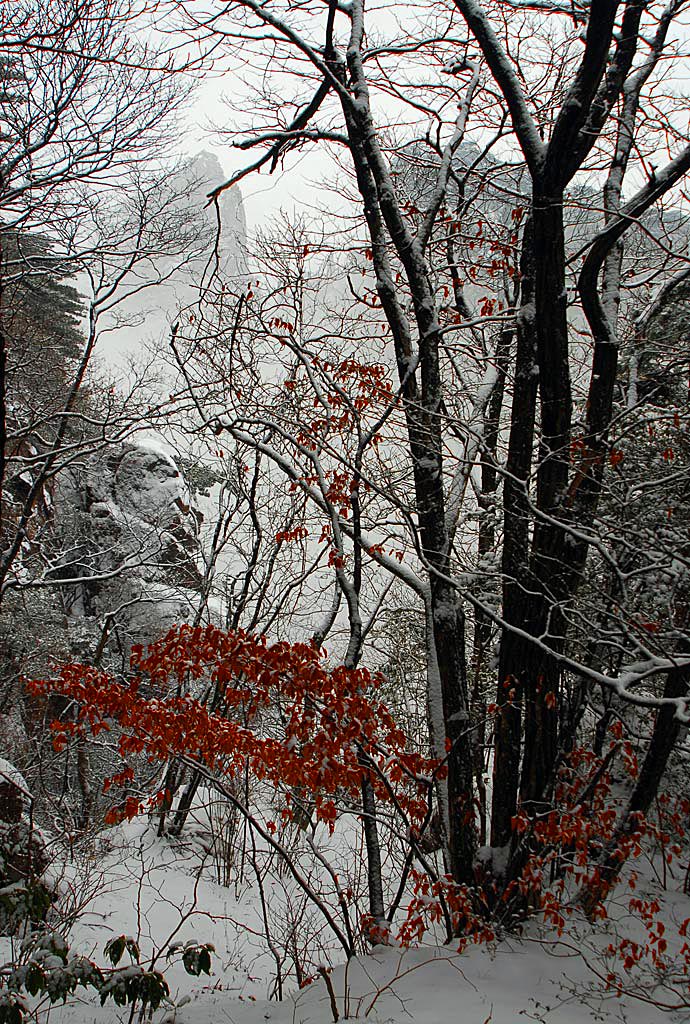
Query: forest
(344, 502)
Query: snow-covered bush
(24, 896)
(48, 968)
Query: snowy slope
(136, 884)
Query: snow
(135, 501)
(157, 445)
(134, 884)
(162, 894)
(8, 771)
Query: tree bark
(516, 519)
(421, 393)
(485, 545)
(664, 737)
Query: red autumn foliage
(329, 718)
(561, 850)
(295, 722)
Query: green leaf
(117, 946)
(35, 979)
(133, 948)
(12, 1008)
(197, 958)
(114, 949)
(157, 989)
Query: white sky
(296, 185)
(292, 187)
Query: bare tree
(566, 118)
(82, 102)
(89, 217)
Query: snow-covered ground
(133, 883)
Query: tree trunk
(377, 909)
(449, 634)
(664, 736)
(516, 519)
(535, 590)
(549, 568)
(485, 545)
(423, 412)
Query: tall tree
(568, 110)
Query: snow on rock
(139, 481)
(131, 535)
(23, 856)
(9, 772)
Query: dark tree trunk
(517, 515)
(3, 405)
(550, 568)
(538, 584)
(421, 393)
(485, 545)
(377, 907)
(449, 634)
(664, 737)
